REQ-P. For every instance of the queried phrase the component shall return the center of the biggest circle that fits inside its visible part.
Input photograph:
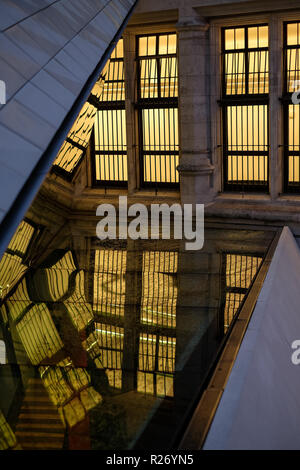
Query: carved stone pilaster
(195, 168)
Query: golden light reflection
(11, 264)
(159, 288)
(109, 282)
(8, 439)
(156, 365)
(240, 272)
(70, 390)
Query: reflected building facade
(109, 345)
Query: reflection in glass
(109, 337)
(240, 272)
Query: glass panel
(159, 289)
(160, 129)
(12, 265)
(258, 72)
(109, 282)
(160, 133)
(128, 340)
(293, 69)
(69, 155)
(167, 44)
(168, 77)
(148, 78)
(258, 36)
(110, 130)
(118, 52)
(247, 131)
(147, 46)
(247, 128)
(235, 73)
(293, 34)
(235, 38)
(255, 64)
(240, 272)
(294, 143)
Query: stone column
(275, 112)
(129, 73)
(196, 169)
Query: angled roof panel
(51, 53)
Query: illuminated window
(291, 110)
(245, 107)
(110, 150)
(157, 103)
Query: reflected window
(109, 137)
(13, 262)
(157, 103)
(156, 365)
(291, 110)
(159, 288)
(109, 282)
(240, 271)
(245, 107)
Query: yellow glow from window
(160, 129)
(234, 38)
(147, 45)
(293, 34)
(259, 72)
(247, 131)
(247, 127)
(293, 68)
(109, 282)
(294, 143)
(258, 36)
(235, 73)
(167, 44)
(118, 52)
(256, 62)
(110, 135)
(156, 365)
(159, 288)
(240, 272)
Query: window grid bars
(157, 104)
(291, 115)
(245, 135)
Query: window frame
(245, 99)
(288, 187)
(113, 105)
(153, 103)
